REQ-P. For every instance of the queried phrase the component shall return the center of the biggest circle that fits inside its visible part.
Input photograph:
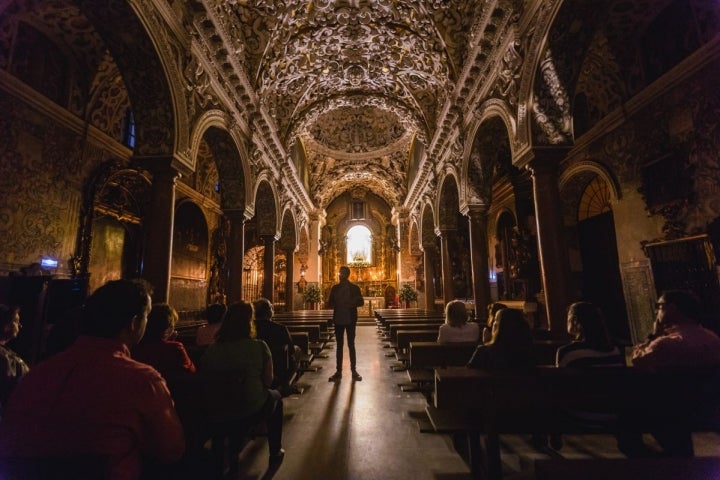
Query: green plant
(407, 293)
(311, 294)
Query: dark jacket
(344, 299)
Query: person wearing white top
(456, 327)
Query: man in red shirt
(93, 398)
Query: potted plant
(407, 294)
(311, 296)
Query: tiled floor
(369, 431)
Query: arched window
(359, 245)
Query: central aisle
(356, 430)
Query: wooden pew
(628, 469)
(424, 357)
(404, 338)
(477, 402)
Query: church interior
(531, 151)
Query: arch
(133, 38)
(230, 164)
(535, 47)
(448, 202)
(594, 167)
(266, 208)
(359, 245)
(427, 231)
(288, 231)
(485, 156)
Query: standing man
(344, 299)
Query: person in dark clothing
(284, 351)
(511, 346)
(344, 299)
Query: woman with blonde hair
(456, 327)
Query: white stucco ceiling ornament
(354, 77)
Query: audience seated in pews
(493, 308)
(158, 346)
(511, 345)
(678, 340)
(12, 366)
(93, 399)
(456, 327)
(214, 315)
(285, 353)
(236, 350)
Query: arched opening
(359, 246)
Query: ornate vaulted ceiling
(355, 81)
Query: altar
(371, 304)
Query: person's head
(456, 313)
(511, 331)
(493, 308)
(118, 308)
(344, 273)
(9, 323)
(239, 323)
(215, 313)
(676, 307)
(161, 322)
(585, 321)
(263, 309)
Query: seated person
(511, 345)
(591, 346)
(214, 315)
(493, 308)
(93, 398)
(285, 353)
(12, 367)
(237, 350)
(456, 327)
(158, 347)
(678, 340)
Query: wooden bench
(628, 469)
(424, 357)
(476, 402)
(405, 337)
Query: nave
(372, 430)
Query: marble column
(157, 256)
(314, 260)
(477, 215)
(429, 255)
(406, 263)
(552, 245)
(268, 266)
(236, 254)
(448, 290)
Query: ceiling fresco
(352, 77)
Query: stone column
(554, 261)
(236, 254)
(314, 261)
(477, 215)
(406, 264)
(268, 266)
(448, 290)
(429, 255)
(157, 255)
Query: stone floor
(369, 430)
